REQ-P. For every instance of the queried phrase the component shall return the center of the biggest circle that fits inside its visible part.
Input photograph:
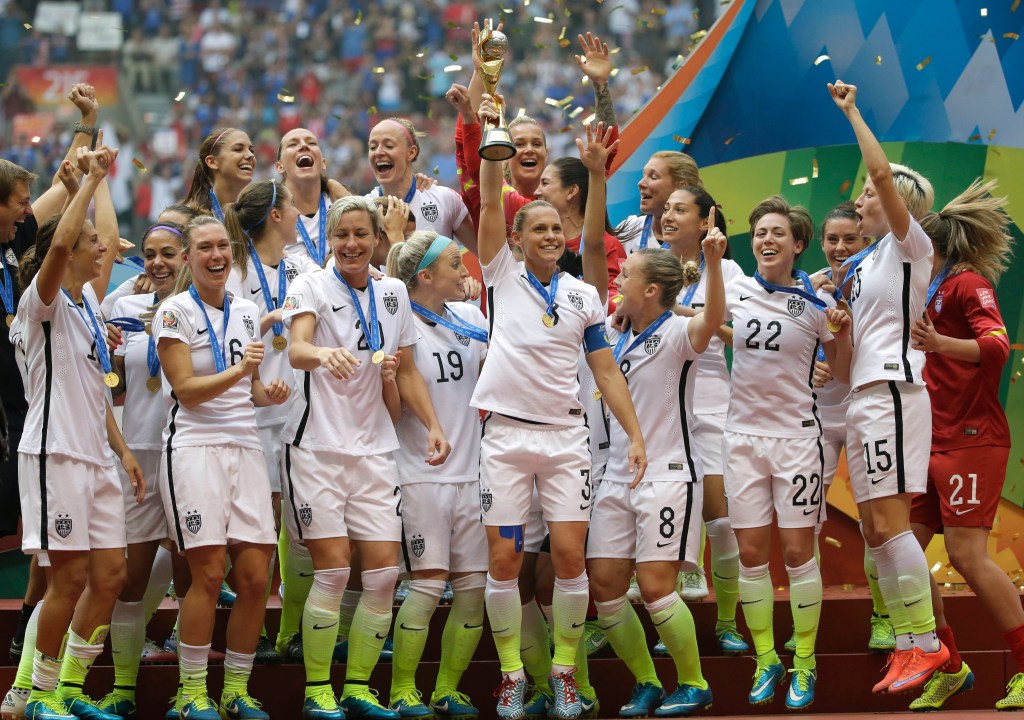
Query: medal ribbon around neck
(936, 283)
(316, 251)
(7, 288)
(547, 294)
(215, 343)
(456, 324)
(852, 263)
(218, 212)
(101, 343)
(648, 229)
(648, 331)
(692, 290)
(372, 334)
(408, 196)
(130, 324)
(282, 287)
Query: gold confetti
(565, 44)
(849, 586)
(551, 101)
(561, 35)
(567, 128)
(540, 46)
(180, 96)
(615, 51)
(139, 165)
(992, 134)
(430, 114)
(681, 140)
(372, 110)
(285, 96)
(641, 23)
(437, 170)
(732, 138)
(696, 13)
(589, 118)
(844, 187)
(833, 541)
(359, 17)
(36, 138)
(984, 12)
(336, 116)
(800, 180)
(506, 11)
(421, 53)
(426, 76)
(453, 57)
(924, 63)
(638, 70)
(567, 12)
(521, 113)
(27, 26)
(659, 11)
(544, 20)
(424, 98)
(565, 102)
(698, 35)
(936, 567)
(617, 7)
(453, 25)
(575, 113)
(1016, 4)
(614, 72)
(878, 59)
(452, 68)
(974, 138)
(814, 168)
(1011, 36)
(378, 70)
(820, 59)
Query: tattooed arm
(596, 64)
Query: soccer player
(886, 286)
(665, 171)
(225, 166)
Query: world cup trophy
(496, 142)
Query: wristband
(84, 129)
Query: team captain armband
(594, 338)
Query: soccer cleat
(85, 708)
(153, 654)
(659, 648)
(645, 698)
(322, 706)
(454, 706)
(409, 704)
(241, 706)
(695, 585)
(292, 651)
(589, 708)
(1014, 699)
(567, 696)
(593, 637)
(882, 639)
(893, 668)
(790, 645)
(265, 652)
(402, 591)
(340, 654)
(171, 643)
(363, 704)
(766, 679)
(686, 700)
(48, 707)
(16, 648)
(448, 595)
(226, 596)
(541, 700)
(633, 594)
(387, 651)
(511, 694)
(941, 687)
(921, 666)
(801, 689)
(730, 641)
(13, 706)
(172, 712)
(118, 704)
(197, 708)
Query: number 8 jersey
(775, 341)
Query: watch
(84, 129)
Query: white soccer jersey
(450, 365)
(833, 401)
(312, 225)
(596, 414)
(630, 230)
(17, 338)
(346, 416)
(711, 394)
(775, 341)
(887, 294)
(275, 365)
(230, 418)
(523, 347)
(123, 290)
(439, 209)
(144, 412)
(660, 373)
(67, 412)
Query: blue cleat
(47, 707)
(409, 704)
(362, 704)
(240, 706)
(766, 679)
(801, 689)
(85, 708)
(197, 708)
(322, 706)
(589, 708)
(117, 704)
(643, 701)
(730, 641)
(567, 697)
(226, 597)
(387, 652)
(686, 700)
(511, 694)
(541, 700)
(340, 654)
(454, 706)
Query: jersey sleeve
(173, 322)
(731, 298)
(409, 334)
(31, 306)
(980, 308)
(119, 310)
(301, 298)
(916, 245)
(680, 338)
(457, 208)
(504, 263)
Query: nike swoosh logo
(874, 577)
(336, 308)
(750, 602)
(910, 679)
(403, 626)
(609, 627)
(760, 688)
(201, 331)
(324, 627)
(792, 695)
(379, 636)
(964, 512)
(584, 507)
(302, 574)
(720, 577)
(472, 627)
(442, 707)
(499, 632)
(804, 607)
(256, 291)
(875, 482)
(906, 604)
(664, 544)
(745, 297)
(665, 620)
(811, 511)
(577, 625)
(587, 705)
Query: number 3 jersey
(450, 365)
(775, 340)
(229, 418)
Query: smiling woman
(225, 166)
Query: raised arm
(596, 64)
(491, 232)
(106, 227)
(594, 156)
(877, 164)
(705, 324)
(50, 202)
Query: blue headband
(273, 202)
(436, 248)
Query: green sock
(725, 569)
(805, 603)
(582, 674)
(915, 589)
(45, 670)
(506, 617)
(535, 643)
(349, 603)
(192, 669)
(758, 602)
(237, 669)
(319, 626)
(297, 576)
(871, 573)
(365, 640)
(23, 679)
(79, 655)
(675, 626)
(462, 632)
(621, 625)
(411, 627)
(569, 602)
(127, 638)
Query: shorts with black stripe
(657, 521)
(888, 440)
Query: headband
(436, 248)
(404, 130)
(222, 132)
(172, 230)
(273, 202)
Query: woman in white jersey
(665, 171)
(886, 286)
(687, 217)
(535, 433)
(441, 529)
(657, 523)
(340, 476)
(213, 476)
(225, 166)
(772, 441)
(70, 492)
(392, 149)
(143, 420)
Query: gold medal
(153, 383)
(596, 394)
(279, 342)
(111, 380)
(149, 329)
(378, 357)
(833, 327)
(548, 320)
(10, 320)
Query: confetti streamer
(544, 20)
(427, 76)
(180, 96)
(974, 138)
(681, 140)
(378, 70)
(936, 567)
(984, 12)
(27, 26)
(336, 116)
(575, 113)
(639, 70)
(453, 57)
(565, 44)
(1016, 4)
(820, 59)
(452, 68)
(617, 7)
(372, 110)
(698, 35)
(285, 96)
(589, 118)
(36, 139)
(453, 25)
(139, 165)
(878, 59)
(800, 180)
(437, 170)
(849, 586)
(833, 541)
(732, 138)
(814, 168)
(844, 187)
(1011, 36)
(992, 134)
(659, 11)
(540, 46)
(359, 17)
(551, 101)
(924, 63)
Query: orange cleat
(922, 665)
(894, 667)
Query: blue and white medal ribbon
(692, 290)
(373, 334)
(459, 326)
(547, 295)
(646, 234)
(318, 252)
(215, 344)
(110, 378)
(641, 338)
(272, 303)
(7, 289)
(218, 212)
(936, 284)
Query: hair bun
(691, 273)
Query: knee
(795, 557)
(109, 580)
(568, 562)
(251, 582)
(964, 559)
(654, 590)
(603, 586)
(69, 583)
(207, 578)
(504, 563)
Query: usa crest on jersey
(796, 306)
(429, 212)
(577, 300)
(938, 303)
(462, 339)
(391, 303)
(306, 514)
(418, 545)
(486, 498)
(651, 344)
(250, 326)
(62, 524)
(193, 521)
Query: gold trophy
(496, 142)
